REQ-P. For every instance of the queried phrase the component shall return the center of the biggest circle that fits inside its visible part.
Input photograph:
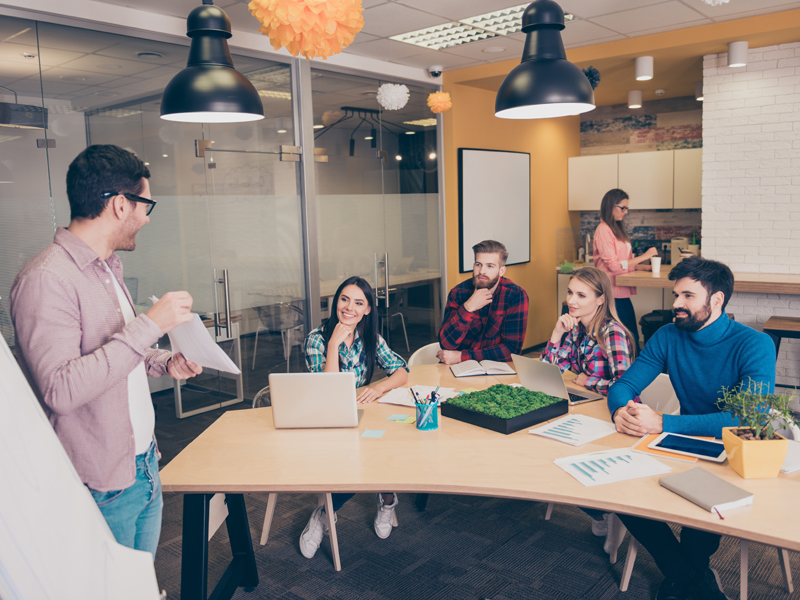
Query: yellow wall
(471, 124)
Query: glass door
(378, 203)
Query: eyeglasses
(151, 204)
(619, 206)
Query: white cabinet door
(688, 178)
(590, 177)
(647, 179)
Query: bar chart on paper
(575, 430)
(610, 466)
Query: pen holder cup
(427, 416)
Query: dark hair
(713, 275)
(367, 327)
(492, 247)
(610, 200)
(98, 169)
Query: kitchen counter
(758, 283)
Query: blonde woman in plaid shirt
(590, 340)
(349, 342)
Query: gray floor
(461, 547)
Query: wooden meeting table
(242, 452)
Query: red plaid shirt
(579, 353)
(495, 332)
(76, 352)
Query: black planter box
(506, 426)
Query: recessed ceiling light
(73, 78)
(370, 93)
(369, 137)
(165, 155)
(432, 155)
(275, 94)
(493, 50)
(281, 131)
(106, 94)
(431, 122)
(147, 164)
(110, 66)
(398, 157)
(150, 54)
(410, 132)
(318, 126)
(28, 55)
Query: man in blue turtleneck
(703, 352)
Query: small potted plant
(754, 449)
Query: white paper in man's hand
(192, 340)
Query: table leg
(194, 552)
(242, 570)
(421, 501)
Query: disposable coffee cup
(655, 261)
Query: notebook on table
(473, 368)
(707, 490)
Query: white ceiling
(597, 21)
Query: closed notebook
(707, 490)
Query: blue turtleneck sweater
(722, 354)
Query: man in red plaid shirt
(486, 316)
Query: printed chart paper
(610, 466)
(575, 430)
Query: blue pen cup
(427, 416)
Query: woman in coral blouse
(613, 254)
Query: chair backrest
(792, 432)
(425, 355)
(661, 396)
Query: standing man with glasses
(87, 355)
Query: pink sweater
(609, 254)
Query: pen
(720, 516)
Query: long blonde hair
(599, 282)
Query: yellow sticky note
(411, 419)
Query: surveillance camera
(435, 71)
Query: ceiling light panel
(470, 29)
(444, 36)
(431, 122)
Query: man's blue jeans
(134, 514)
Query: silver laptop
(544, 377)
(313, 400)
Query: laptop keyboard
(575, 397)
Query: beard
(692, 321)
(126, 238)
(478, 284)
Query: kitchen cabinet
(688, 178)
(664, 179)
(590, 177)
(647, 177)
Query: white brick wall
(751, 179)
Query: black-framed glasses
(151, 204)
(619, 206)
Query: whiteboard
(54, 543)
(494, 203)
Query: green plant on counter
(503, 401)
(755, 409)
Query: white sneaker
(384, 517)
(614, 537)
(317, 526)
(600, 526)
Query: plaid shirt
(76, 352)
(579, 353)
(352, 360)
(495, 332)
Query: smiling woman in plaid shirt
(349, 342)
(591, 341)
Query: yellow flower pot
(754, 459)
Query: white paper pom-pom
(392, 96)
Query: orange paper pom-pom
(439, 102)
(309, 27)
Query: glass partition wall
(378, 202)
(228, 225)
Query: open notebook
(472, 368)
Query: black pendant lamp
(209, 89)
(545, 84)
